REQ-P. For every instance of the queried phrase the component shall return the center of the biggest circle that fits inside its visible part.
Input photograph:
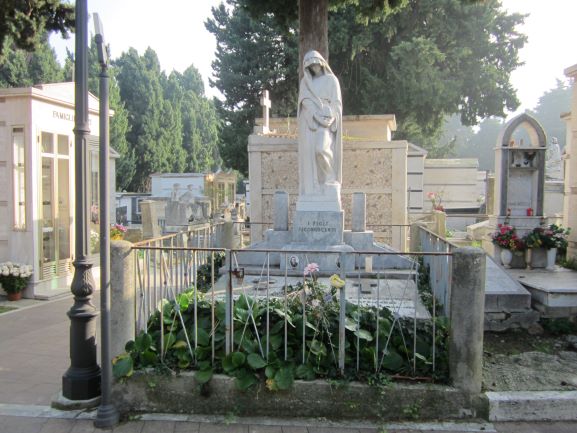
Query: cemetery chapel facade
(38, 185)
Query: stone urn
(551, 258)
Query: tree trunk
(313, 29)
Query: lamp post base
(81, 383)
(62, 403)
(107, 416)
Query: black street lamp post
(82, 379)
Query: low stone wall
(152, 392)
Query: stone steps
(554, 293)
(507, 302)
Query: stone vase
(518, 261)
(529, 257)
(551, 257)
(506, 258)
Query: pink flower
(310, 268)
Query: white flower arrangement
(15, 269)
(14, 276)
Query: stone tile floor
(13, 424)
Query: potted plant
(532, 241)
(507, 239)
(550, 238)
(14, 278)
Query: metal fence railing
(394, 235)
(438, 266)
(370, 317)
(167, 265)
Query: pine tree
(20, 68)
(23, 23)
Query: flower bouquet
(553, 236)
(506, 237)
(436, 201)
(117, 232)
(14, 278)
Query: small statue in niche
(517, 159)
(523, 159)
(528, 158)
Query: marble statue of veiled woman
(320, 130)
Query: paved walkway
(21, 424)
(34, 354)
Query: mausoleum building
(38, 183)
(570, 207)
(374, 164)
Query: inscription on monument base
(321, 227)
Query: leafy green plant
(141, 352)
(441, 328)
(570, 263)
(412, 411)
(559, 326)
(180, 338)
(204, 272)
(553, 236)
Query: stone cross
(265, 103)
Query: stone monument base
(318, 227)
(329, 260)
(322, 230)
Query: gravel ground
(517, 361)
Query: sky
(176, 32)
(174, 29)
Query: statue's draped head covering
(314, 57)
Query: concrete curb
(32, 411)
(532, 406)
(148, 392)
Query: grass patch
(517, 341)
(569, 263)
(6, 309)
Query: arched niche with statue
(520, 168)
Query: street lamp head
(100, 45)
